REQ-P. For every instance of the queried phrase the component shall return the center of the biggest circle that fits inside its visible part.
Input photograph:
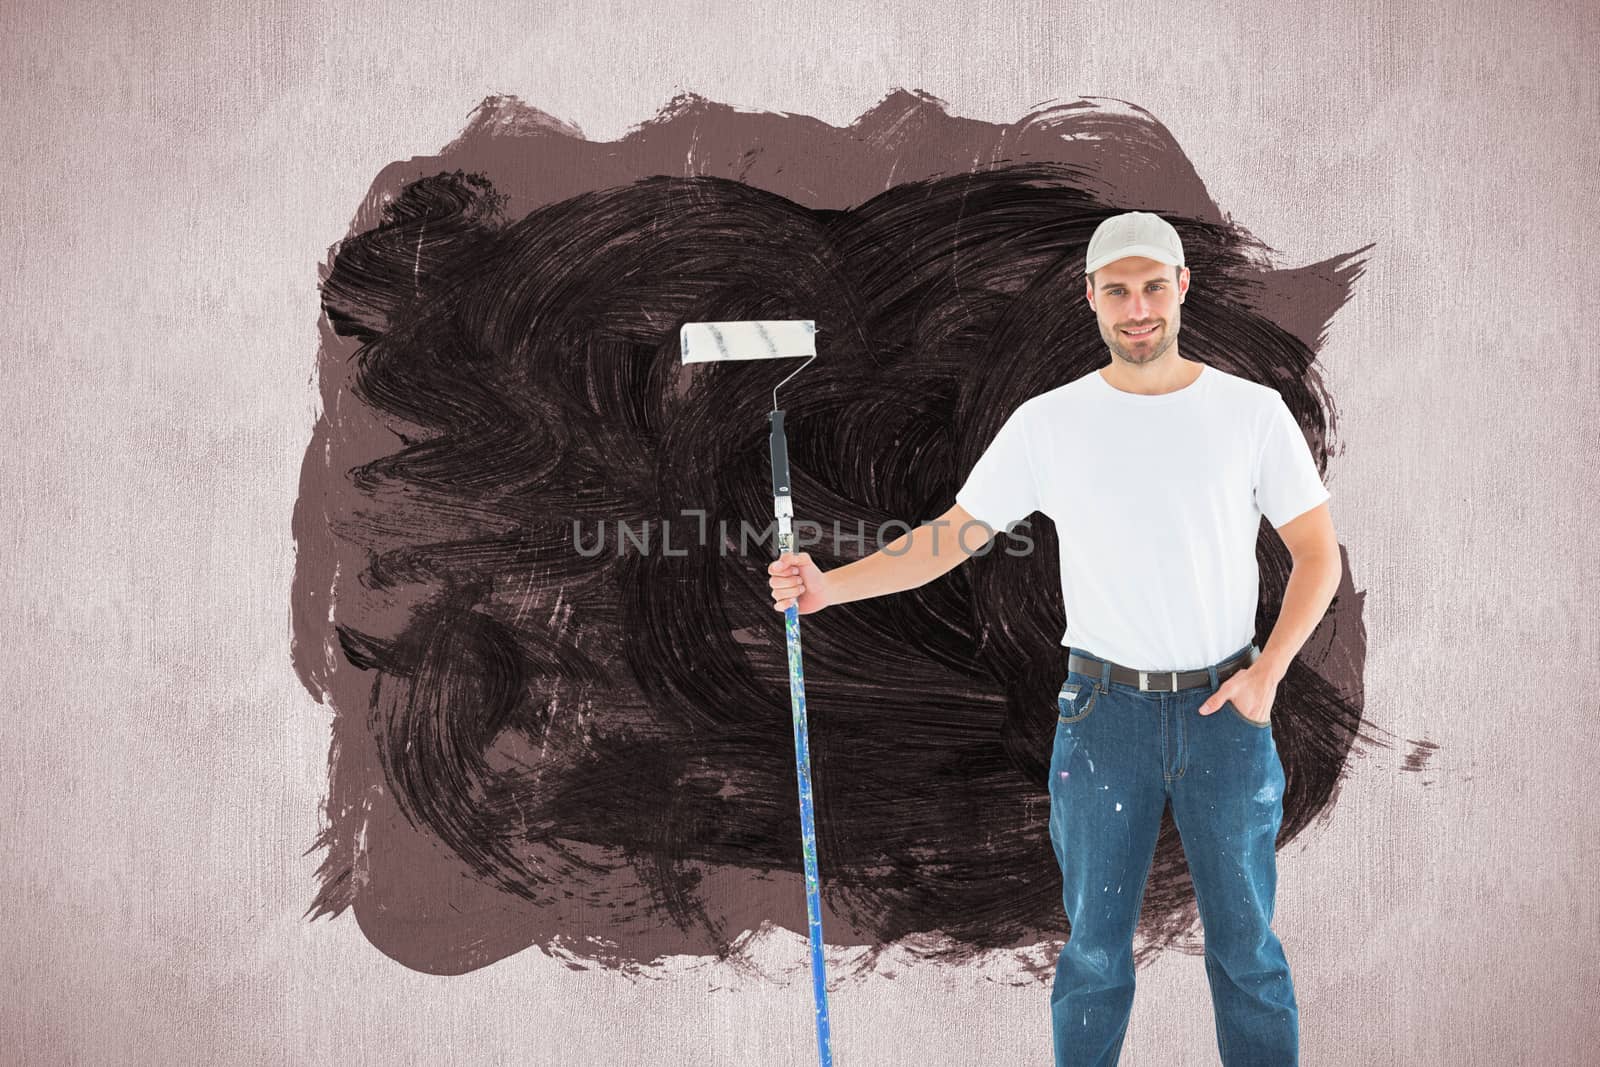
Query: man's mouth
(1146, 332)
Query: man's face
(1135, 293)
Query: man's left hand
(1252, 691)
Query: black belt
(1162, 681)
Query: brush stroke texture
(591, 754)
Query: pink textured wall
(174, 176)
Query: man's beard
(1129, 352)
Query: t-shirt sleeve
(1287, 483)
(1000, 490)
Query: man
(1156, 470)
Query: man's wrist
(1272, 665)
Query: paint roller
(715, 342)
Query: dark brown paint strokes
(592, 754)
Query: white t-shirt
(1157, 503)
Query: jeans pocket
(1242, 717)
(1075, 701)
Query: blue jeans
(1120, 756)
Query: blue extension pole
(784, 513)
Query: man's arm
(910, 560)
(1313, 580)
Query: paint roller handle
(793, 577)
(779, 445)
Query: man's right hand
(796, 580)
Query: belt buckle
(1144, 681)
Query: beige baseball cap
(1133, 233)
